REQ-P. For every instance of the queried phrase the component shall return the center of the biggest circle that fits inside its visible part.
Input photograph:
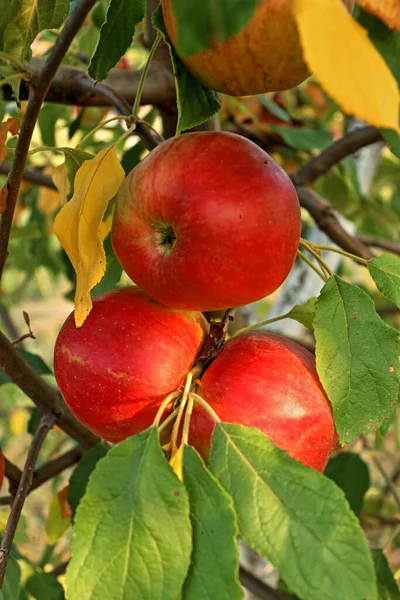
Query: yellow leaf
(387, 10)
(176, 463)
(49, 200)
(78, 224)
(340, 55)
(9, 126)
(61, 181)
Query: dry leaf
(63, 501)
(78, 224)
(176, 463)
(339, 53)
(9, 126)
(3, 198)
(387, 10)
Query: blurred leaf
(293, 516)
(378, 218)
(77, 225)
(201, 23)
(351, 474)
(196, 104)
(74, 159)
(135, 502)
(49, 116)
(22, 20)
(132, 157)
(304, 313)
(34, 360)
(34, 421)
(274, 108)
(80, 476)
(392, 138)
(57, 522)
(113, 271)
(11, 585)
(21, 536)
(387, 10)
(336, 187)
(358, 79)
(385, 271)
(115, 35)
(213, 571)
(9, 126)
(43, 586)
(301, 138)
(387, 586)
(357, 359)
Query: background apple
(130, 353)
(207, 221)
(264, 56)
(266, 381)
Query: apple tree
(203, 200)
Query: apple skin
(130, 353)
(234, 214)
(265, 56)
(266, 381)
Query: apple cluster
(206, 221)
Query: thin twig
(40, 84)
(259, 588)
(389, 483)
(12, 472)
(375, 242)
(31, 175)
(46, 423)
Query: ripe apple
(264, 56)
(130, 353)
(207, 221)
(266, 381)
(2, 468)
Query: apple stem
(311, 264)
(168, 420)
(258, 325)
(186, 422)
(358, 259)
(163, 406)
(206, 406)
(315, 253)
(182, 406)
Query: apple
(130, 353)
(264, 56)
(207, 221)
(266, 381)
(2, 468)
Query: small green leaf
(11, 584)
(132, 533)
(132, 157)
(80, 476)
(392, 139)
(351, 474)
(214, 567)
(301, 138)
(196, 103)
(304, 313)
(274, 108)
(115, 35)
(387, 586)
(294, 517)
(385, 271)
(43, 586)
(200, 23)
(57, 523)
(73, 161)
(357, 357)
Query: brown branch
(325, 217)
(31, 175)
(40, 84)
(46, 423)
(375, 242)
(259, 588)
(12, 472)
(348, 144)
(44, 396)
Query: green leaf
(392, 139)
(34, 360)
(304, 313)
(113, 271)
(11, 585)
(132, 157)
(387, 586)
(56, 524)
(274, 108)
(115, 35)
(80, 477)
(73, 160)
(43, 586)
(213, 572)
(195, 102)
(199, 24)
(385, 271)
(48, 117)
(351, 474)
(301, 138)
(132, 533)
(22, 20)
(357, 359)
(293, 516)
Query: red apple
(266, 381)
(130, 353)
(2, 468)
(207, 221)
(264, 56)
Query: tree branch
(259, 588)
(375, 242)
(325, 217)
(32, 175)
(44, 396)
(40, 84)
(348, 144)
(46, 423)
(12, 472)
